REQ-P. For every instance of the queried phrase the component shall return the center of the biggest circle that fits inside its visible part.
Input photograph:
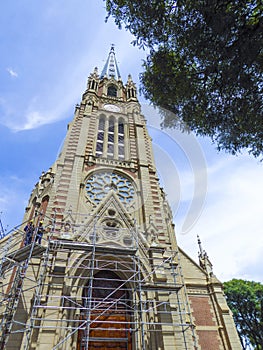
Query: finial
(130, 81)
(112, 47)
(204, 260)
(201, 252)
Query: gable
(194, 275)
(109, 225)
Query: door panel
(109, 315)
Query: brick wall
(205, 321)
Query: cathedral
(95, 263)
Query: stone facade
(108, 272)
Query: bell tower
(108, 273)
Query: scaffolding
(2, 231)
(80, 294)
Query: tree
(245, 299)
(205, 65)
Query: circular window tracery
(99, 184)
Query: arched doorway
(108, 310)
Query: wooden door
(109, 315)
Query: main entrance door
(109, 314)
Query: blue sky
(48, 48)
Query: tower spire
(111, 67)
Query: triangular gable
(111, 224)
(194, 274)
(152, 234)
(67, 227)
(112, 201)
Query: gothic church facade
(108, 273)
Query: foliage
(205, 64)
(245, 299)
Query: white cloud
(44, 112)
(182, 170)
(34, 120)
(231, 223)
(12, 72)
(55, 100)
(217, 199)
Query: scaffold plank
(73, 245)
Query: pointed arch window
(94, 85)
(44, 204)
(131, 93)
(111, 138)
(112, 91)
(33, 208)
(121, 154)
(110, 152)
(100, 137)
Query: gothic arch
(43, 206)
(100, 135)
(112, 90)
(107, 306)
(33, 208)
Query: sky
(48, 48)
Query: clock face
(112, 108)
(99, 184)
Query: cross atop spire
(111, 67)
